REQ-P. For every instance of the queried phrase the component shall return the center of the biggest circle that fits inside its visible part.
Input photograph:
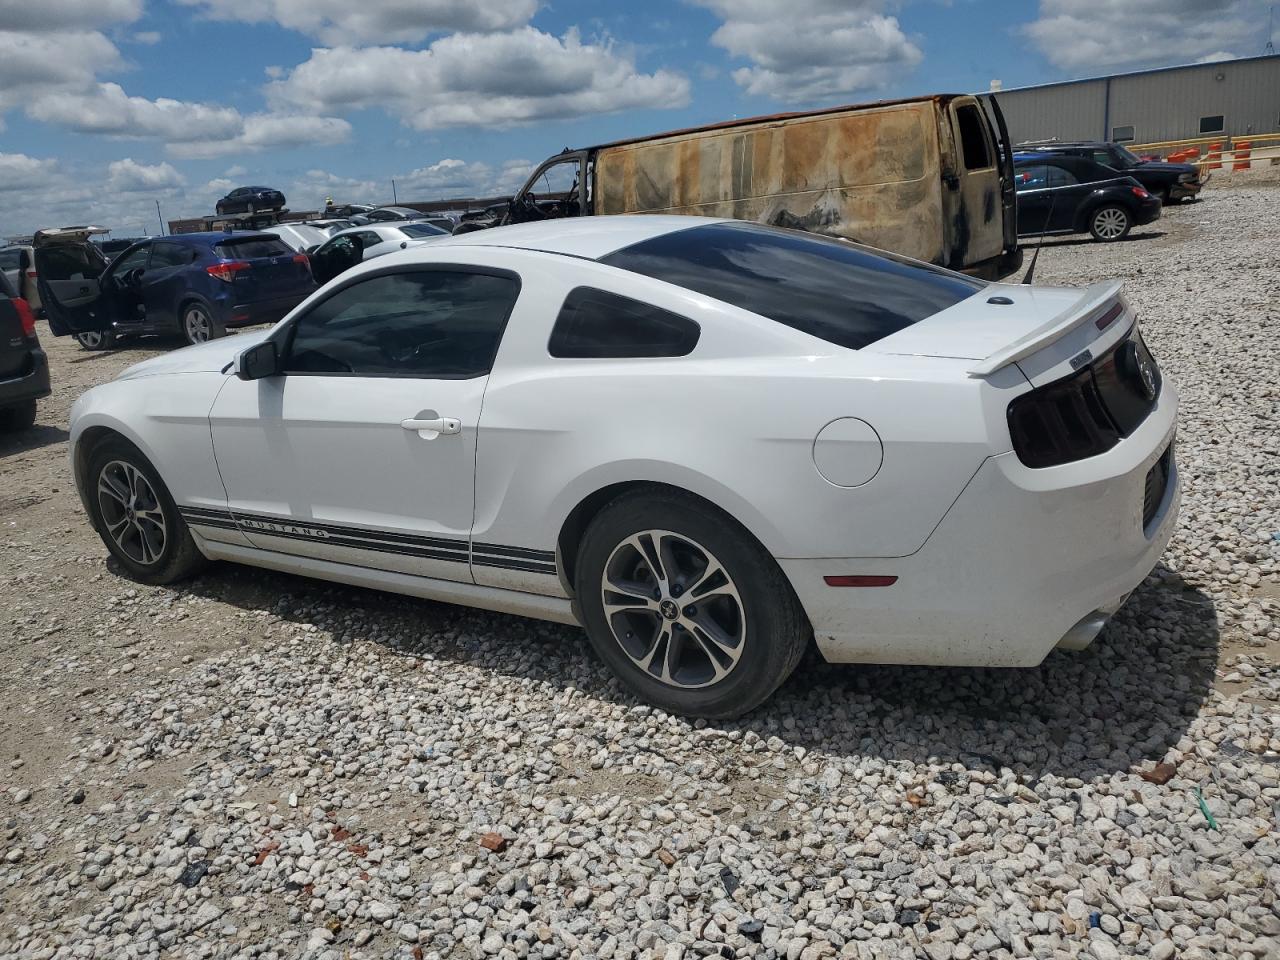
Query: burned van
(928, 177)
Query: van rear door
(69, 267)
(974, 203)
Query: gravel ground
(255, 765)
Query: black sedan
(1059, 194)
(1171, 182)
(250, 200)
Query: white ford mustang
(704, 441)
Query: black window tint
(10, 259)
(251, 248)
(973, 138)
(1061, 177)
(439, 324)
(169, 255)
(595, 323)
(81, 261)
(421, 230)
(838, 291)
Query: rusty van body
(929, 177)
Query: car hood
(211, 357)
(1163, 166)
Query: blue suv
(196, 285)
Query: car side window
(1031, 178)
(10, 259)
(441, 324)
(132, 260)
(973, 138)
(169, 255)
(599, 324)
(1060, 177)
(368, 238)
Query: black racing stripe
(404, 550)
(444, 543)
(528, 553)
(206, 522)
(205, 512)
(527, 566)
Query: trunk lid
(274, 269)
(58, 235)
(1047, 331)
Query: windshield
(843, 293)
(1128, 158)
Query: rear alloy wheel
(685, 607)
(97, 339)
(136, 517)
(198, 325)
(1110, 223)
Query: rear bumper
(263, 311)
(30, 384)
(1025, 560)
(1148, 212)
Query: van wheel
(97, 339)
(198, 324)
(1110, 223)
(136, 517)
(685, 607)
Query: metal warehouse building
(1229, 98)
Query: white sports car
(705, 441)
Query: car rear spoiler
(1096, 301)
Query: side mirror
(259, 361)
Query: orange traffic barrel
(1214, 160)
(1242, 150)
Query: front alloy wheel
(673, 609)
(96, 339)
(131, 512)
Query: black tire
(177, 557)
(20, 416)
(97, 339)
(773, 630)
(189, 328)
(1109, 223)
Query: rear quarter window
(598, 324)
(837, 291)
(251, 248)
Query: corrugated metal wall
(1159, 105)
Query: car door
(165, 281)
(69, 269)
(1068, 192)
(1031, 182)
(361, 449)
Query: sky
(110, 106)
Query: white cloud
(1216, 57)
(235, 170)
(147, 37)
(62, 16)
(264, 131)
(480, 80)
(130, 176)
(809, 50)
(50, 61)
(343, 23)
(1092, 35)
(107, 109)
(19, 172)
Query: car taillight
(227, 270)
(303, 259)
(1140, 193)
(25, 315)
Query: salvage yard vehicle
(250, 200)
(1171, 182)
(1064, 194)
(24, 367)
(346, 248)
(706, 441)
(927, 177)
(17, 263)
(196, 285)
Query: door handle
(430, 429)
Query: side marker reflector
(1109, 317)
(861, 580)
